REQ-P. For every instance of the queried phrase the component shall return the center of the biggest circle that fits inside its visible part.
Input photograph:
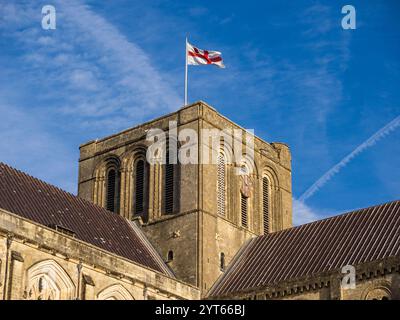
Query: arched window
(115, 292)
(222, 261)
(141, 188)
(379, 293)
(170, 256)
(113, 181)
(111, 184)
(265, 204)
(170, 185)
(243, 210)
(47, 280)
(221, 183)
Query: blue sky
(292, 73)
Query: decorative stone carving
(247, 185)
(47, 280)
(176, 234)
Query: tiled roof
(45, 204)
(350, 239)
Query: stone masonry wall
(33, 257)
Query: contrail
(381, 133)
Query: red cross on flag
(196, 56)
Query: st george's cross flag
(196, 56)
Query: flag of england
(196, 56)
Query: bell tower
(197, 214)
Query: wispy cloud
(61, 87)
(295, 94)
(102, 74)
(132, 67)
(303, 213)
(381, 133)
(320, 18)
(227, 19)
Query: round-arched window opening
(170, 256)
(113, 178)
(222, 261)
(221, 184)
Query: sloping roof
(357, 237)
(50, 206)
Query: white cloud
(302, 213)
(84, 79)
(129, 65)
(86, 73)
(100, 72)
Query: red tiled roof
(45, 204)
(350, 239)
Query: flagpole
(186, 72)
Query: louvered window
(243, 209)
(266, 204)
(139, 187)
(221, 185)
(111, 190)
(169, 186)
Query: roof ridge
(357, 237)
(35, 178)
(337, 216)
(157, 256)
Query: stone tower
(198, 215)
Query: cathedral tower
(198, 215)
